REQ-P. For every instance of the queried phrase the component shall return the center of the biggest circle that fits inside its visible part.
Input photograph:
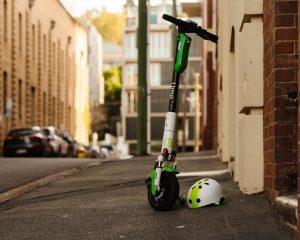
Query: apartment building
(159, 78)
(38, 62)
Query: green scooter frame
(162, 184)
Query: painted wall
(240, 91)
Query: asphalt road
(18, 171)
(110, 202)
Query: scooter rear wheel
(169, 191)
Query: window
(54, 60)
(195, 48)
(132, 101)
(130, 22)
(4, 92)
(33, 43)
(155, 74)
(153, 19)
(160, 45)
(131, 75)
(20, 98)
(5, 21)
(54, 109)
(32, 98)
(44, 109)
(166, 73)
(20, 32)
(44, 50)
(130, 45)
(192, 102)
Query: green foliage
(111, 26)
(113, 84)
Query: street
(109, 201)
(17, 171)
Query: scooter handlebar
(170, 19)
(206, 35)
(191, 27)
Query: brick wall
(210, 131)
(280, 89)
(298, 190)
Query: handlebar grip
(212, 37)
(207, 35)
(170, 19)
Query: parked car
(26, 142)
(95, 151)
(109, 151)
(71, 144)
(82, 150)
(59, 145)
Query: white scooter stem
(168, 142)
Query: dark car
(26, 142)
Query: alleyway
(109, 202)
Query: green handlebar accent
(182, 53)
(170, 169)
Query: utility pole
(148, 80)
(142, 78)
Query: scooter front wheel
(168, 194)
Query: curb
(21, 190)
(286, 207)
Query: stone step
(286, 209)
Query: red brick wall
(208, 133)
(210, 130)
(209, 14)
(298, 190)
(280, 78)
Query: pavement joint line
(21, 190)
(197, 157)
(203, 173)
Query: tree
(113, 84)
(142, 79)
(111, 26)
(130, 3)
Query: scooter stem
(181, 59)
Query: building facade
(159, 79)
(240, 91)
(37, 65)
(258, 82)
(95, 58)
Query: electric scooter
(162, 183)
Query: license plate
(21, 151)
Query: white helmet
(205, 192)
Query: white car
(58, 144)
(109, 151)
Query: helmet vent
(200, 187)
(190, 201)
(198, 200)
(206, 183)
